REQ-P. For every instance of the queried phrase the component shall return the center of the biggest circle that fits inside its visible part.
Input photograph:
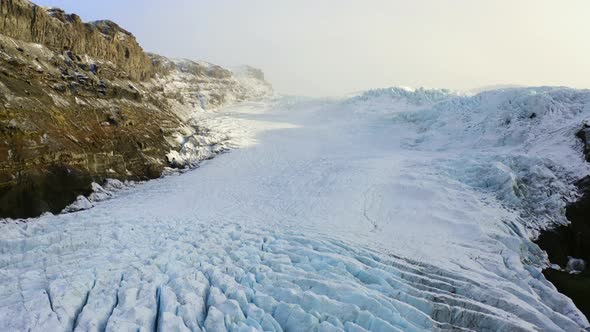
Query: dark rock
(564, 242)
(113, 120)
(102, 88)
(154, 170)
(571, 241)
(15, 62)
(584, 135)
(575, 286)
(59, 87)
(93, 68)
(82, 79)
(42, 190)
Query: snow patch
(575, 265)
(81, 203)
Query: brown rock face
(57, 30)
(58, 133)
(81, 102)
(584, 136)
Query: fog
(333, 47)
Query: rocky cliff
(82, 102)
(55, 29)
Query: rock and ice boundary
(82, 102)
(395, 211)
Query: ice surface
(329, 217)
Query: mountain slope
(81, 102)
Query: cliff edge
(82, 102)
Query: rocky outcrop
(567, 245)
(58, 31)
(81, 102)
(584, 136)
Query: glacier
(391, 210)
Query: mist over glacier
(334, 47)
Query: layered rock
(81, 102)
(57, 30)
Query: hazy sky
(329, 47)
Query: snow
(518, 144)
(575, 265)
(81, 203)
(398, 99)
(195, 90)
(333, 215)
(108, 190)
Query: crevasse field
(392, 210)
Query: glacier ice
(334, 215)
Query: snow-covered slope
(398, 99)
(332, 216)
(195, 89)
(253, 80)
(519, 144)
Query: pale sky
(333, 47)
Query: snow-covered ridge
(419, 96)
(397, 99)
(253, 80)
(194, 91)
